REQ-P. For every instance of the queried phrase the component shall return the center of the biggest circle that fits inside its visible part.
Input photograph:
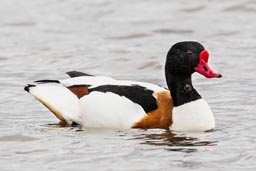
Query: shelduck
(104, 102)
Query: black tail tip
(27, 87)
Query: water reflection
(170, 141)
(56, 126)
(16, 137)
(174, 141)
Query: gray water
(126, 40)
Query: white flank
(59, 98)
(109, 110)
(194, 116)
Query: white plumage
(88, 80)
(193, 116)
(109, 110)
(60, 99)
(95, 81)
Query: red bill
(203, 67)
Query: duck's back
(100, 102)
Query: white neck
(195, 116)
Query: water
(126, 40)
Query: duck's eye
(189, 52)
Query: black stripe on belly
(138, 94)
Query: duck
(104, 102)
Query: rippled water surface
(126, 40)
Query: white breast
(192, 117)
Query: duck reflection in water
(173, 141)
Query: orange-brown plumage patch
(79, 90)
(159, 118)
